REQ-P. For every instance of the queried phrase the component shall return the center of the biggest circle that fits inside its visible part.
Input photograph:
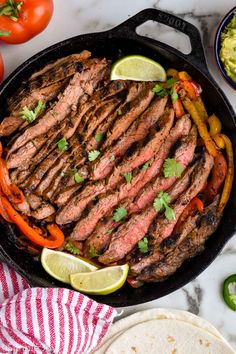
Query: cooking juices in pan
(120, 171)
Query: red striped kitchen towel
(38, 320)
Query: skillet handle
(196, 56)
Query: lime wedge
(100, 282)
(60, 265)
(137, 68)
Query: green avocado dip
(228, 48)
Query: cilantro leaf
(109, 232)
(160, 91)
(62, 144)
(119, 214)
(146, 165)
(78, 178)
(73, 171)
(99, 137)
(93, 252)
(128, 177)
(171, 81)
(172, 168)
(119, 111)
(161, 203)
(30, 115)
(93, 155)
(72, 249)
(112, 158)
(174, 95)
(143, 245)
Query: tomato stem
(11, 9)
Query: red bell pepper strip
(195, 205)
(192, 89)
(178, 108)
(55, 240)
(219, 172)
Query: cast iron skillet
(123, 39)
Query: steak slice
(85, 226)
(137, 131)
(79, 202)
(129, 234)
(10, 124)
(80, 83)
(202, 227)
(43, 212)
(164, 227)
(129, 112)
(146, 153)
(183, 155)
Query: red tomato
(30, 18)
(1, 68)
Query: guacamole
(228, 48)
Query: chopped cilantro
(73, 171)
(78, 178)
(109, 232)
(99, 137)
(161, 203)
(30, 115)
(172, 168)
(112, 158)
(119, 214)
(62, 144)
(93, 252)
(119, 111)
(160, 91)
(128, 177)
(93, 155)
(72, 249)
(171, 81)
(143, 245)
(146, 165)
(174, 95)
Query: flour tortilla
(167, 336)
(156, 314)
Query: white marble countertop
(203, 295)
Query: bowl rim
(217, 45)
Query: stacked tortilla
(164, 331)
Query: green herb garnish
(161, 203)
(119, 214)
(174, 95)
(160, 91)
(172, 168)
(73, 171)
(143, 245)
(72, 249)
(171, 81)
(112, 158)
(128, 177)
(93, 155)
(30, 115)
(119, 111)
(93, 252)
(99, 137)
(78, 178)
(109, 232)
(146, 165)
(62, 144)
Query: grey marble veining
(202, 296)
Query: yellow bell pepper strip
(214, 124)
(172, 73)
(55, 239)
(201, 125)
(198, 103)
(183, 75)
(218, 175)
(219, 141)
(230, 173)
(229, 297)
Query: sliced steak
(137, 131)
(81, 83)
(183, 155)
(191, 245)
(129, 234)
(10, 124)
(85, 226)
(64, 196)
(129, 112)
(146, 153)
(43, 212)
(164, 227)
